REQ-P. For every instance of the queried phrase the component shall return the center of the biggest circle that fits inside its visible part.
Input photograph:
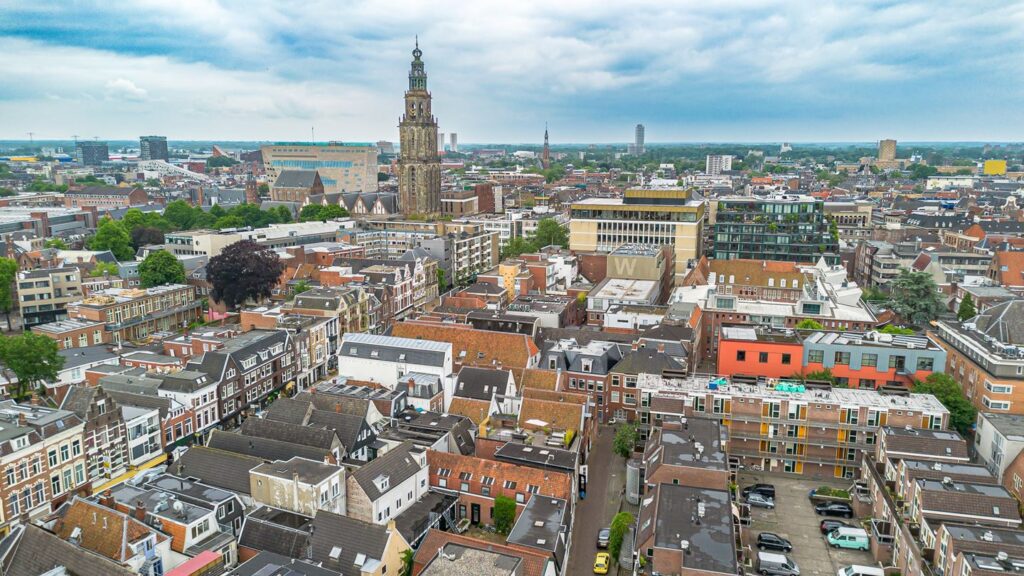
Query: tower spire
(545, 158)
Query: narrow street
(606, 478)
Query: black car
(834, 509)
(762, 489)
(771, 541)
(829, 525)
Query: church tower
(545, 158)
(419, 166)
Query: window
(787, 358)
(520, 498)
(842, 358)
(55, 485)
(510, 485)
(10, 477)
(464, 486)
(925, 364)
(815, 356)
(52, 457)
(15, 508)
(76, 447)
(65, 453)
(200, 529)
(869, 360)
(533, 489)
(866, 383)
(741, 355)
(762, 357)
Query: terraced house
(247, 369)
(41, 459)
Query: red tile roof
(558, 415)
(548, 482)
(472, 347)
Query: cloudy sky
(690, 70)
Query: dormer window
(587, 364)
(552, 363)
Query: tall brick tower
(252, 191)
(545, 158)
(419, 165)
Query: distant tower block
(887, 150)
(454, 142)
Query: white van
(774, 564)
(858, 570)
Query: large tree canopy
(32, 359)
(243, 271)
(159, 268)
(915, 297)
(8, 273)
(948, 391)
(112, 235)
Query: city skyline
(741, 71)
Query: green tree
(159, 268)
(442, 282)
(180, 215)
(111, 235)
(809, 324)
(264, 189)
(146, 236)
(8, 274)
(217, 211)
(300, 287)
(230, 221)
(504, 514)
(620, 524)
(550, 232)
(915, 297)
(220, 162)
(625, 440)
(310, 212)
(104, 268)
(407, 561)
(897, 330)
(966, 311)
(32, 359)
(921, 171)
(823, 375)
(517, 246)
(282, 213)
(948, 391)
(56, 244)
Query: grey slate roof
(278, 531)
(480, 383)
(295, 179)
(1004, 322)
(394, 349)
(142, 401)
(289, 410)
(74, 357)
(287, 432)
(218, 468)
(262, 448)
(398, 464)
(646, 361)
(31, 551)
(271, 564)
(352, 536)
(335, 402)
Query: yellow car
(602, 562)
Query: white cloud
(125, 89)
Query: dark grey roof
(142, 401)
(668, 333)
(286, 432)
(289, 410)
(31, 551)
(679, 447)
(75, 357)
(279, 531)
(100, 191)
(218, 468)
(540, 524)
(398, 464)
(485, 288)
(185, 381)
(536, 456)
(582, 335)
(394, 349)
(327, 400)
(271, 564)
(239, 348)
(646, 361)
(308, 471)
(263, 448)
(295, 179)
(480, 383)
(346, 538)
(712, 542)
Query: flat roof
(625, 289)
(703, 519)
(1009, 425)
(537, 455)
(540, 523)
(700, 443)
(458, 560)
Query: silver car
(758, 500)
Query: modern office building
(153, 148)
(786, 227)
(887, 150)
(419, 166)
(649, 215)
(44, 294)
(454, 142)
(91, 152)
(638, 140)
(717, 163)
(342, 166)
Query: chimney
(661, 348)
(22, 419)
(107, 499)
(35, 400)
(140, 511)
(337, 407)
(412, 386)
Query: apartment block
(44, 294)
(816, 432)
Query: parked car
(764, 489)
(758, 500)
(772, 541)
(834, 509)
(773, 564)
(856, 570)
(852, 538)
(829, 525)
(603, 536)
(602, 562)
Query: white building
(387, 360)
(387, 486)
(718, 163)
(998, 440)
(143, 425)
(299, 485)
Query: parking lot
(794, 518)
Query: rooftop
(626, 289)
(457, 560)
(1009, 425)
(304, 470)
(700, 442)
(696, 520)
(540, 524)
